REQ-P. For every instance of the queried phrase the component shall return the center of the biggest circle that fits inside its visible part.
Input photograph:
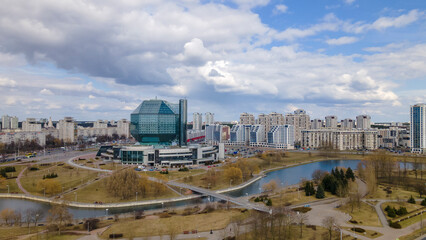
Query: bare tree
(17, 218)
(7, 215)
(59, 215)
(329, 224)
(37, 214)
(301, 220)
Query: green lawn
(13, 187)
(97, 192)
(365, 215)
(68, 178)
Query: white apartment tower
(247, 119)
(331, 121)
(100, 124)
(67, 129)
(123, 128)
(348, 124)
(363, 122)
(209, 118)
(197, 119)
(418, 128)
(282, 135)
(31, 125)
(300, 120)
(8, 122)
(316, 124)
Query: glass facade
(160, 122)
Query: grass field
(413, 235)
(13, 187)
(293, 197)
(368, 233)
(397, 193)
(68, 178)
(13, 232)
(410, 207)
(365, 215)
(177, 224)
(174, 174)
(98, 192)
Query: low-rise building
(21, 136)
(340, 139)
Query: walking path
(18, 182)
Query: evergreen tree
(350, 174)
(411, 200)
(391, 212)
(320, 192)
(423, 202)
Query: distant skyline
(100, 59)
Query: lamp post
(8, 190)
(180, 191)
(75, 194)
(44, 192)
(230, 182)
(341, 236)
(136, 196)
(162, 205)
(106, 212)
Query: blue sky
(100, 59)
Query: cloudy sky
(98, 59)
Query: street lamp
(44, 192)
(136, 196)
(8, 191)
(341, 236)
(230, 182)
(180, 191)
(162, 205)
(106, 212)
(75, 194)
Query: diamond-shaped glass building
(158, 122)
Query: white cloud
(84, 106)
(91, 96)
(341, 40)
(400, 21)
(45, 91)
(349, 2)
(280, 8)
(4, 82)
(248, 4)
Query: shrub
(411, 200)
(92, 223)
(353, 221)
(52, 175)
(257, 199)
(184, 169)
(164, 215)
(302, 209)
(269, 203)
(387, 208)
(401, 211)
(395, 225)
(116, 235)
(33, 169)
(423, 203)
(391, 212)
(359, 230)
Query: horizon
(100, 60)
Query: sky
(99, 59)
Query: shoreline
(158, 201)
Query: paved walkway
(18, 182)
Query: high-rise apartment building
(247, 119)
(316, 124)
(197, 121)
(240, 134)
(418, 128)
(257, 134)
(363, 122)
(331, 121)
(9, 122)
(281, 136)
(160, 122)
(67, 129)
(31, 125)
(340, 139)
(348, 124)
(209, 118)
(123, 128)
(100, 124)
(300, 120)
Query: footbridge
(214, 194)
